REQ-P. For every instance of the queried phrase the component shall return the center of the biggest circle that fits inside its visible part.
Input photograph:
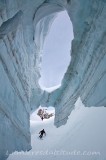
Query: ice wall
(18, 76)
(86, 74)
(23, 27)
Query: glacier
(23, 27)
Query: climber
(42, 132)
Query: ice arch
(56, 51)
(21, 41)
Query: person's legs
(41, 136)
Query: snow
(82, 138)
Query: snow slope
(82, 138)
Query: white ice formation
(24, 25)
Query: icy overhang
(85, 74)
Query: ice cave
(76, 100)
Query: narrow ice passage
(84, 134)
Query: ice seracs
(20, 52)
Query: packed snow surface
(82, 138)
